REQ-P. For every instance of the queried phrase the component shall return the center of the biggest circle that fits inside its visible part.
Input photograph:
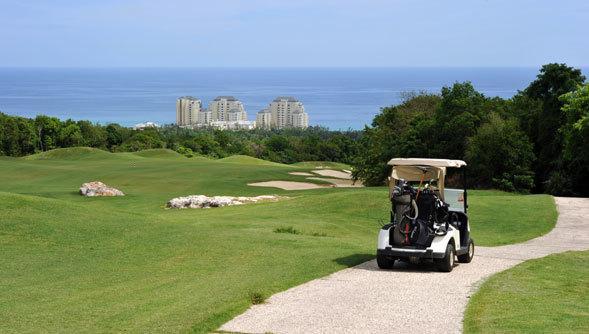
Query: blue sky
(268, 33)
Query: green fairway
(74, 264)
(500, 218)
(547, 295)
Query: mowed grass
(547, 295)
(499, 218)
(322, 164)
(75, 264)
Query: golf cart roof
(426, 162)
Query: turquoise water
(333, 97)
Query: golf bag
(415, 214)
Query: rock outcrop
(97, 188)
(202, 201)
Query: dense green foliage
(21, 136)
(553, 81)
(500, 147)
(573, 167)
(535, 141)
(547, 295)
(77, 264)
(285, 146)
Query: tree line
(536, 141)
(20, 136)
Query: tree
(401, 130)
(572, 175)
(70, 135)
(94, 135)
(459, 114)
(142, 140)
(48, 129)
(17, 136)
(116, 135)
(553, 81)
(205, 144)
(500, 155)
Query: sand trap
(333, 173)
(289, 185)
(340, 183)
(300, 173)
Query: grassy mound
(547, 295)
(247, 160)
(322, 164)
(160, 153)
(72, 153)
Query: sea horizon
(338, 98)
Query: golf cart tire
(384, 262)
(466, 258)
(446, 264)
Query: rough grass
(547, 295)
(75, 264)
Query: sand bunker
(333, 173)
(289, 185)
(340, 183)
(300, 173)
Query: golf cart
(428, 221)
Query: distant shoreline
(337, 98)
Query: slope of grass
(162, 153)
(547, 295)
(75, 264)
(247, 160)
(322, 164)
(499, 218)
(72, 153)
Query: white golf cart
(428, 221)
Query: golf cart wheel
(384, 262)
(446, 263)
(466, 258)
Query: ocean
(338, 98)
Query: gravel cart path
(364, 299)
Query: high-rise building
(299, 119)
(264, 119)
(227, 108)
(285, 112)
(187, 110)
(204, 117)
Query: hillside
(162, 153)
(76, 264)
(247, 160)
(72, 153)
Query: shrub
(256, 298)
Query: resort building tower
(187, 110)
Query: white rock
(204, 202)
(97, 188)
